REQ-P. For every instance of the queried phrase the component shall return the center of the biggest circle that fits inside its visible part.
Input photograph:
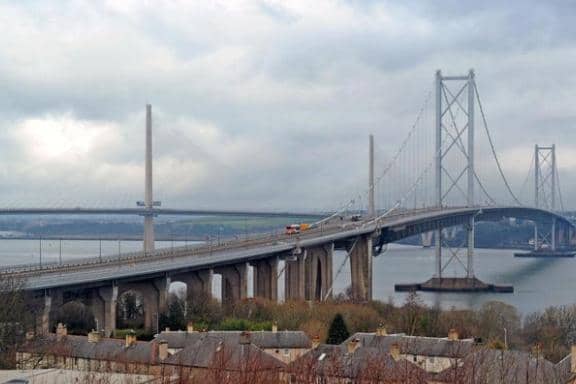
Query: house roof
(365, 363)
(491, 365)
(564, 369)
(262, 339)
(105, 349)
(210, 351)
(416, 345)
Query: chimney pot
(94, 336)
(381, 330)
(245, 337)
(315, 341)
(395, 351)
(353, 345)
(30, 335)
(453, 334)
(61, 331)
(162, 350)
(130, 339)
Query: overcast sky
(263, 104)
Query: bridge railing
(186, 250)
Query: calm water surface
(537, 283)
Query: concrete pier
(266, 278)
(318, 272)
(198, 283)
(294, 275)
(234, 283)
(106, 316)
(361, 268)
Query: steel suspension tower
(545, 190)
(449, 137)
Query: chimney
(353, 345)
(245, 337)
(381, 331)
(30, 335)
(274, 327)
(395, 351)
(315, 341)
(61, 331)
(162, 350)
(453, 334)
(94, 336)
(573, 359)
(130, 339)
(190, 327)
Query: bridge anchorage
(549, 237)
(454, 143)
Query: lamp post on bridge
(40, 245)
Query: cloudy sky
(264, 104)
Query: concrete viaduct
(308, 269)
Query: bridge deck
(138, 264)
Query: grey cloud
(289, 95)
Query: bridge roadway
(138, 264)
(308, 272)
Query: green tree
(78, 318)
(175, 317)
(130, 311)
(338, 331)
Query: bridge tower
(148, 203)
(449, 137)
(545, 191)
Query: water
(538, 283)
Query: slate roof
(209, 351)
(416, 345)
(105, 349)
(262, 339)
(494, 366)
(564, 369)
(365, 363)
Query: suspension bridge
(430, 184)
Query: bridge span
(308, 269)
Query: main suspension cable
(493, 148)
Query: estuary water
(538, 283)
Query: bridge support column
(266, 278)
(553, 235)
(155, 299)
(361, 268)
(318, 272)
(51, 301)
(44, 326)
(198, 283)
(162, 286)
(234, 283)
(426, 239)
(438, 252)
(470, 230)
(294, 288)
(107, 317)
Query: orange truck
(293, 229)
